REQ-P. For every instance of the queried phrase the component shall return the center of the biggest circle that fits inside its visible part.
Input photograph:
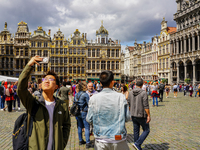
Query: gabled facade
(6, 52)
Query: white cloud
(126, 20)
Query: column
(185, 71)
(189, 44)
(198, 41)
(181, 45)
(171, 48)
(174, 45)
(193, 42)
(177, 45)
(194, 75)
(171, 74)
(177, 73)
(184, 49)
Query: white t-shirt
(50, 107)
(144, 87)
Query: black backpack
(161, 87)
(20, 136)
(75, 109)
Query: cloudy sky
(126, 20)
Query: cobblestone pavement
(175, 125)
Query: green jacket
(61, 119)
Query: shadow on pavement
(163, 146)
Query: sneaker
(137, 147)
(82, 142)
(89, 145)
(18, 108)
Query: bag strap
(33, 113)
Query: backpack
(161, 87)
(20, 136)
(75, 109)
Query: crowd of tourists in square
(103, 107)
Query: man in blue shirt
(108, 111)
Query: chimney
(49, 32)
(83, 36)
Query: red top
(11, 97)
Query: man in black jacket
(161, 90)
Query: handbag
(75, 109)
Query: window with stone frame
(89, 52)
(74, 61)
(108, 52)
(83, 51)
(103, 65)
(52, 60)
(70, 51)
(74, 42)
(65, 60)
(11, 62)
(163, 49)
(45, 67)
(65, 50)
(113, 53)
(89, 65)
(21, 52)
(93, 52)
(98, 53)
(56, 43)
(56, 69)
(61, 51)
(93, 65)
(79, 60)
(74, 70)
(39, 44)
(45, 53)
(61, 43)
(57, 50)
(160, 64)
(7, 50)
(11, 50)
(52, 68)
(26, 51)
(78, 51)
(74, 51)
(39, 52)
(160, 50)
(61, 70)
(167, 48)
(83, 70)
(70, 60)
(32, 53)
(33, 44)
(98, 64)
(78, 70)
(39, 68)
(56, 60)
(52, 51)
(65, 70)
(117, 64)
(61, 60)
(103, 40)
(79, 42)
(83, 60)
(167, 63)
(108, 65)
(2, 50)
(70, 69)
(117, 52)
(163, 63)
(113, 65)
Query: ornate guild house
(185, 42)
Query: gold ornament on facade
(22, 23)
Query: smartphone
(45, 60)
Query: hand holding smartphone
(45, 60)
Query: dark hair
(124, 87)
(139, 82)
(68, 83)
(106, 77)
(53, 74)
(64, 83)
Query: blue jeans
(156, 101)
(18, 101)
(196, 93)
(81, 120)
(2, 102)
(137, 122)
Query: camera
(45, 60)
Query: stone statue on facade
(185, 5)
(192, 2)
